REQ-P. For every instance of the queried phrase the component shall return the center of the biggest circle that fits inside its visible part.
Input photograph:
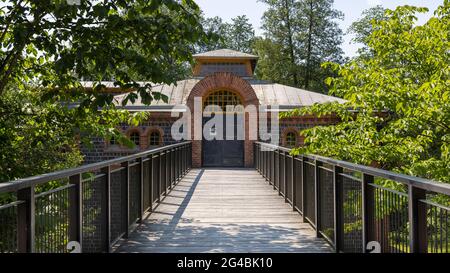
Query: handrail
(409, 180)
(351, 211)
(96, 212)
(22, 183)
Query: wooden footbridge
(154, 202)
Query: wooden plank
(223, 210)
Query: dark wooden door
(227, 151)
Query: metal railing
(355, 207)
(95, 205)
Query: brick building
(220, 78)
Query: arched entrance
(237, 86)
(223, 131)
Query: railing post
(106, 207)
(417, 215)
(337, 193)
(169, 168)
(141, 186)
(263, 166)
(294, 183)
(179, 164)
(26, 220)
(368, 210)
(258, 157)
(285, 154)
(158, 184)
(176, 165)
(150, 177)
(303, 188)
(317, 199)
(255, 166)
(126, 216)
(279, 172)
(76, 210)
(172, 167)
(272, 169)
(164, 170)
(184, 159)
(267, 164)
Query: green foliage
(241, 34)
(49, 47)
(38, 136)
(53, 44)
(299, 36)
(401, 98)
(34, 137)
(362, 28)
(238, 35)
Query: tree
(319, 39)
(237, 35)
(307, 34)
(35, 137)
(402, 99)
(279, 25)
(218, 30)
(364, 26)
(241, 34)
(272, 61)
(55, 44)
(49, 47)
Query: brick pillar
(197, 154)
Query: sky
(352, 9)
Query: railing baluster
(294, 183)
(106, 209)
(337, 208)
(272, 169)
(150, 178)
(164, 171)
(158, 178)
(417, 215)
(75, 209)
(168, 178)
(276, 170)
(26, 220)
(126, 195)
(173, 160)
(285, 177)
(368, 213)
(317, 199)
(303, 184)
(176, 165)
(141, 186)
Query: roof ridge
(225, 52)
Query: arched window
(135, 137)
(155, 139)
(219, 100)
(291, 139)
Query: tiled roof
(225, 53)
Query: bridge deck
(223, 210)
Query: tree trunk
(290, 42)
(309, 49)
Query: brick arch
(138, 130)
(152, 129)
(223, 80)
(227, 81)
(299, 139)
